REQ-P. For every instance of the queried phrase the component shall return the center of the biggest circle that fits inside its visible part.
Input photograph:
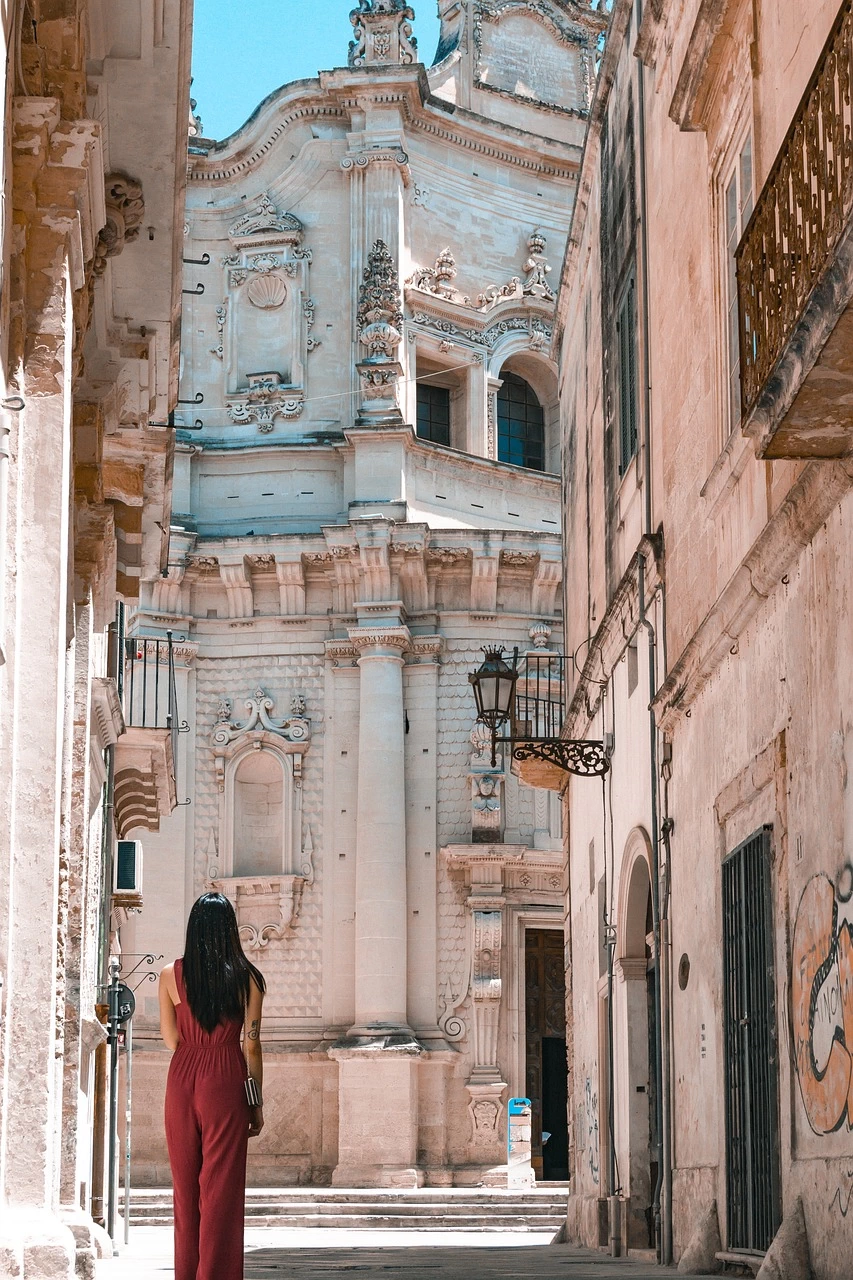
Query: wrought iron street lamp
(494, 689)
(536, 736)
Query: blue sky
(243, 49)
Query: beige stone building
(367, 492)
(90, 303)
(702, 334)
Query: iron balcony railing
(540, 697)
(800, 216)
(536, 731)
(150, 698)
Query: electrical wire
(335, 395)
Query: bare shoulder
(168, 982)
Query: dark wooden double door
(547, 1069)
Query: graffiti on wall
(843, 1197)
(588, 1131)
(822, 1001)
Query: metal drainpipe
(5, 430)
(660, 1193)
(663, 1190)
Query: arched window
(521, 424)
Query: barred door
(752, 1156)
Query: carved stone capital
(365, 639)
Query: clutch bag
(253, 1093)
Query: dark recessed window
(626, 333)
(434, 413)
(521, 424)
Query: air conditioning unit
(128, 867)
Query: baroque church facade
(365, 494)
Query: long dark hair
(216, 971)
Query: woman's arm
(254, 1052)
(168, 1017)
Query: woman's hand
(256, 1121)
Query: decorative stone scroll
(263, 400)
(383, 33)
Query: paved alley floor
(319, 1253)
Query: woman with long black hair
(208, 1000)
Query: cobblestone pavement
(318, 1253)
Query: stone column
(380, 913)
(378, 1059)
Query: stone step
(556, 1193)
(383, 1222)
(424, 1209)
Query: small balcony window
(521, 424)
(433, 413)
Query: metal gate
(749, 1023)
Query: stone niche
(261, 861)
(266, 317)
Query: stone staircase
(541, 1209)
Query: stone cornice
(331, 98)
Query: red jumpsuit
(207, 1131)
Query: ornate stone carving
(380, 330)
(438, 280)
(519, 559)
(486, 806)
(125, 208)
(265, 399)
(537, 268)
(448, 556)
(486, 991)
(380, 316)
(308, 310)
(264, 222)
(263, 562)
(386, 638)
(579, 32)
(380, 156)
(267, 292)
(221, 318)
(383, 33)
(260, 705)
(540, 634)
(203, 564)
(267, 907)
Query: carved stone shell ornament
(267, 292)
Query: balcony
(145, 754)
(795, 274)
(541, 755)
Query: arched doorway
(636, 965)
